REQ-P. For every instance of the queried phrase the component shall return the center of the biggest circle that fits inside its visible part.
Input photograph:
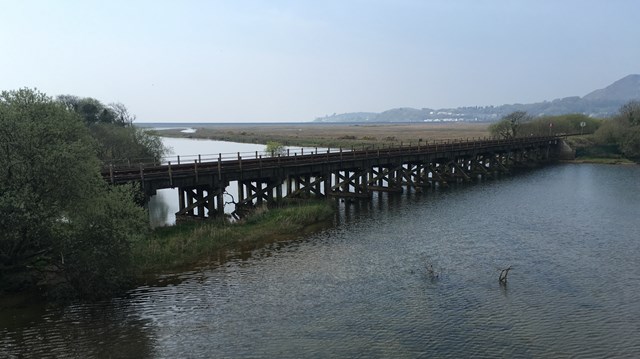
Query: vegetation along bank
(66, 233)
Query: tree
(115, 143)
(60, 224)
(121, 114)
(569, 123)
(509, 125)
(631, 113)
(112, 128)
(623, 130)
(274, 149)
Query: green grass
(183, 245)
(604, 160)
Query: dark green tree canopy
(623, 130)
(59, 220)
(112, 127)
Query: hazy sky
(240, 61)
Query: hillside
(599, 103)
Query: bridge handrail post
(219, 166)
(178, 159)
(195, 165)
(199, 159)
(170, 173)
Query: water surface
(362, 289)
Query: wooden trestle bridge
(262, 178)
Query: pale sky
(279, 61)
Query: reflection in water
(362, 289)
(109, 329)
(159, 214)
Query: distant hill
(623, 90)
(599, 103)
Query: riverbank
(177, 247)
(602, 161)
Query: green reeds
(169, 248)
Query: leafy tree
(60, 224)
(561, 124)
(509, 125)
(115, 143)
(623, 130)
(112, 128)
(274, 149)
(630, 144)
(631, 113)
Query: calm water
(361, 289)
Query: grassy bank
(588, 150)
(603, 160)
(176, 247)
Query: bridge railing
(215, 157)
(141, 163)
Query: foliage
(546, 125)
(274, 149)
(60, 225)
(97, 244)
(521, 124)
(509, 125)
(116, 143)
(173, 247)
(631, 113)
(623, 130)
(112, 127)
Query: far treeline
(616, 137)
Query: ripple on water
(362, 290)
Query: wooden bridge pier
(267, 180)
(203, 201)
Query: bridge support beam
(307, 186)
(350, 183)
(200, 202)
(384, 179)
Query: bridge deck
(234, 169)
(356, 173)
